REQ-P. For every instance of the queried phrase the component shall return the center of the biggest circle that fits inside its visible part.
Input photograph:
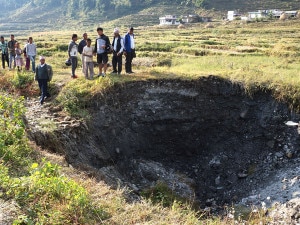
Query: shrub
(45, 196)
(62, 47)
(75, 98)
(13, 147)
(164, 62)
(49, 198)
(23, 84)
(161, 194)
(45, 52)
(22, 79)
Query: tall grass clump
(13, 148)
(47, 197)
(76, 96)
(22, 83)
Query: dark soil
(212, 135)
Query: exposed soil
(207, 139)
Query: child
(72, 52)
(18, 57)
(88, 59)
(27, 60)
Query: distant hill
(248, 5)
(36, 15)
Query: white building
(168, 20)
(257, 15)
(275, 13)
(232, 15)
(291, 14)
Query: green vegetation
(162, 194)
(45, 196)
(256, 55)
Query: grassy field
(264, 54)
(257, 55)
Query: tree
(200, 3)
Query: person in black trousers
(3, 48)
(118, 47)
(43, 74)
(129, 50)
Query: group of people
(102, 47)
(12, 53)
(14, 56)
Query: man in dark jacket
(102, 47)
(81, 45)
(11, 50)
(4, 50)
(129, 50)
(43, 74)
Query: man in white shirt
(31, 52)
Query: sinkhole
(208, 139)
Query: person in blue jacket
(129, 52)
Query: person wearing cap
(102, 46)
(118, 47)
(81, 45)
(72, 52)
(43, 74)
(4, 50)
(129, 50)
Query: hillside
(248, 5)
(40, 15)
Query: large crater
(208, 139)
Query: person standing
(129, 50)
(4, 50)
(81, 45)
(102, 46)
(18, 57)
(88, 63)
(31, 52)
(43, 74)
(72, 52)
(11, 51)
(27, 60)
(118, 47)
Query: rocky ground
(207, 140)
